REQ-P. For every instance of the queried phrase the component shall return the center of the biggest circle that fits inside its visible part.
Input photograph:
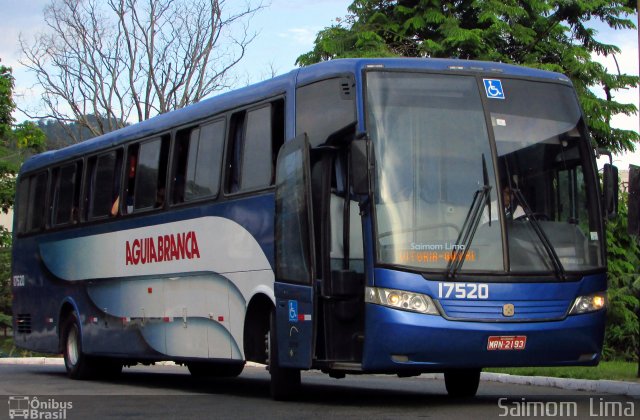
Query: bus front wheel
(462, 383)
(285, 382)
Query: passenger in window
(115, 206)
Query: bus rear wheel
(78, 364)
(285, 382)
(462, 383)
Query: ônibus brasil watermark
(598, 408)
(36, 408)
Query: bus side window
(65, 195)
(324, 107)
(236, 141)
(151, 174)
(130, 178)
(204, 162)
(255, 138)
(22, 204)
(104, 187)
(180, 155)
(37, 202)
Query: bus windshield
(434, 160)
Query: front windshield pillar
(500, 196)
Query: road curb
(630, 389)
(31, 361)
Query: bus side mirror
(633, 221)
(361, 161)
(610, 191)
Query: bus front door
(295, 254)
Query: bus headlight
(589, 303)
(400, 299)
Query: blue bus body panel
(430, 342)
(295, 328)
(108, 305)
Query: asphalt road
(158, 392)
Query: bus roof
(263, 90)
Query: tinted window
(204, 160)
(323, 108)
(104, 194)
(65, 196)
(22, 204)
(37, 200)
(293, 227)
(146, 193)
(255, 138)
(256, 156)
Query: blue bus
(395, 216)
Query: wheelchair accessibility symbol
(293, 311)
(493, 87)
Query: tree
(6, 100)
(124, 60)
(16, 142)
(547, 34)
(623, 253)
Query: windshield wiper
(481, 198)
(546, 243)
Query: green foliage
(5, 281)
(5, 288)
(28, 136)
(6, 101)
(547, 34)
(623, 252)
(16, 143)
(611, 370)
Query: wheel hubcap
(72, 347)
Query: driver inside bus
(511, 208)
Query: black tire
(78, 364)
(285, 382)
(462, 383)
(215, 370)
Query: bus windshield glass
(441, 194)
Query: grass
(613, 370)
(9, 349)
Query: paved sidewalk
(631, 389)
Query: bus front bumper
(399, 341)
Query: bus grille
(492, 311)
(23, 323)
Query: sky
(286, 29)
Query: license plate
(517, 342)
